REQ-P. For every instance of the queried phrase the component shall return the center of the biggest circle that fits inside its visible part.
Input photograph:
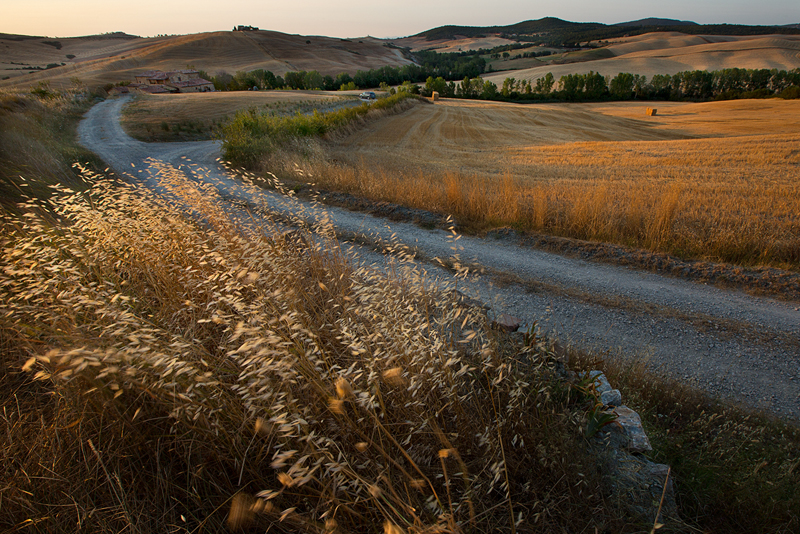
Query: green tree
(312, 80)
(545, 84)
(621, 86)
(508, 86)
(295, 80)
(489, 91)
(438, 84)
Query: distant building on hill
(245, 29)
(174, 81)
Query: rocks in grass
(629, 424)
(608, 395)
(612, 397)
(507, 323)
(633, 482)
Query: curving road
(731, 344)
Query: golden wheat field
(717, 180)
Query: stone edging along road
(728, 343)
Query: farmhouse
(175, 81)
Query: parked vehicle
(367, 96)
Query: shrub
(790, 93)
(250, 135)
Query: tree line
(454, 65)
(726, 84)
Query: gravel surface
(731, 344)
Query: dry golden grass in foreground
(591, 172)
(192, 373)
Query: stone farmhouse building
(175, 81)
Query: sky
(359, 18)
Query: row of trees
(723, 84)
(697, 85)
(428, 63)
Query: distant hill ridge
(657, 22)
(557, 31)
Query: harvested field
(717, 181)
(670, 53)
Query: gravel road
(733, 345)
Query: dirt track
(726, 342)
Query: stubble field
(717, 181)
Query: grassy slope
(165, 118)
(105, 60)
(37, 144)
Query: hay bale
(435, 96)
(651, 112)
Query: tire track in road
(680, 327)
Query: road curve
(728, 343)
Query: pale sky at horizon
(351, 18)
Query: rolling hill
(670, 53)
(641, 47)
(96, 60)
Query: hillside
(670, 53)
(96, 60)
(556, 31)
(641, 47)
(656, 22)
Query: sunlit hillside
(669, 53)
(116, 57)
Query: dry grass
(37, 144)
(104, 59)
(603, 175)
(199, 115)
(189, 371)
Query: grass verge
(37, 143)
(251, 138)
(735, 470)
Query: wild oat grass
(200, 371)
